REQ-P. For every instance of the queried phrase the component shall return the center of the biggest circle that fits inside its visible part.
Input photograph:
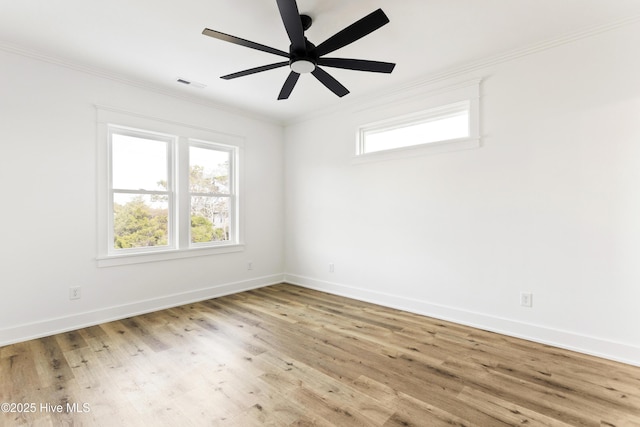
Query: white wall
(550, 204)
(48, 215)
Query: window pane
(140, 220)
(208, 171)
(138, 163)
(210, 219)
(452, 127)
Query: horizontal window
(432, 121)
(447, 123)
(443, 124)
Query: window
(446, 123)
(211, 198)
(141, 191)
(166, 195)
(445, 119)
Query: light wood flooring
(289, 356)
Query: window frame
(181, 137)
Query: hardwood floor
(289, 356)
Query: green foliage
(202, 230)
(137, 225)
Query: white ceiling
(153, 42)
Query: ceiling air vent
(190, 83)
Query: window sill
(138, 258)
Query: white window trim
(442, 101)
(122, 119)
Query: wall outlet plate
(74, 292)
(526, 299)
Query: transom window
(446, 123)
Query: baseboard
(619, 352)
(593, 346)
(58, 325)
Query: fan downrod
(306, 22)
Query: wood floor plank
(288, 356)
(505, 411)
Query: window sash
(228, 228)
(145, 248)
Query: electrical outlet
(526, 299)
(250, 265)
(331, 268)
(74, 292)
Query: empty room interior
(414, 213)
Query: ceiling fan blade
(292, 23)
(255, 70)
(353, 32)
(332, 84)
(242, 42)
(289, 84)
(358, 64)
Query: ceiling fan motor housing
(303, 61)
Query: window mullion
(234, 201)
(171, 188)
(183, 200)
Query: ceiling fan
(305, 57)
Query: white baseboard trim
(58, 325)
(593, 346)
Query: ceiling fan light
(303, 66)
